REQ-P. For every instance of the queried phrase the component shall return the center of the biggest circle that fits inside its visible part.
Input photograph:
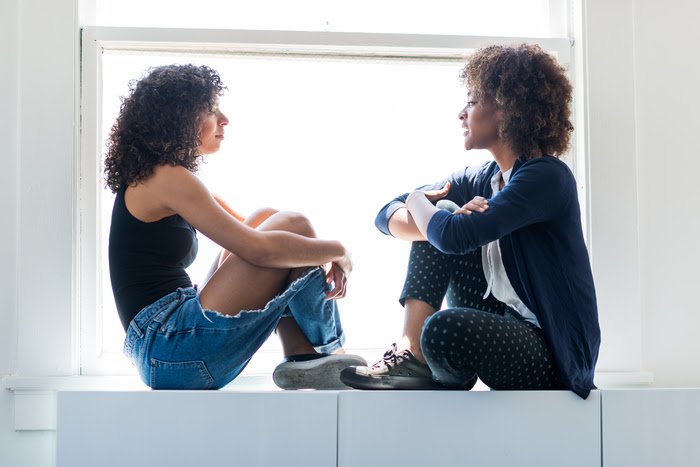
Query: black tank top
(147, 260)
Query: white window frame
(97, 39)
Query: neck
(504, 155)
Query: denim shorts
(177, 344)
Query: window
(331, 124)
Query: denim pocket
(180, 375)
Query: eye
(471, 104)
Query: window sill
(35, 396)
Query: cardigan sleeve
(540, 190)
(461, 190)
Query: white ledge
(35, 396)
(623, 379)
(17, 383)
(116, 383)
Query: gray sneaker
(396, 370)
(314, 371)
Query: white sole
(320, 373)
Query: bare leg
(254, 220)
(294, 342)
(416, 312)
(238, 285)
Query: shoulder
(167, 171)
(548, 164)
(477, 173)
(546, 167)
(168, 178)
(170, 185)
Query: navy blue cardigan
(536, 219)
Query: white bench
(612, 428)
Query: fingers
(338, 290)
(478, 204)
(434, 195)
(339, 280)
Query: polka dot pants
(433, 276)
(475, 337)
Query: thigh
(427, 275)
(433, 276)
(468, 285)
(194, 348)
(504, 351)
(238, 285)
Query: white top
(498, 283)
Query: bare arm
(228, 208)
(407, 222)
(178, 190)
(402, 226)
(422, 210)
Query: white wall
(9, 127)
(667, 99)
(609, 82)
(47, 96)
(37, 94)
(642, 110)
(8, 176)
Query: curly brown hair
(532, 91)
(159, 121)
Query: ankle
(298, 348)
(408, 344)
(419, 356)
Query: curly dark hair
(532, 91)
(158, 122)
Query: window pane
(511, 18)
(334, 138)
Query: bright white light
(333, 138)
(458, 17)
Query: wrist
(413, 198)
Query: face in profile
(480, 120)
(211, 129)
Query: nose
(462, 114)
(222, 119)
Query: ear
(498, 115)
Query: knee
(259, 216)
(291, 222)
(447, 205)
(433, 327)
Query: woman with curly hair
(273, 274)
(502, 242)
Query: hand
(337, 274)
(478, 204)
(435, 195)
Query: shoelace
(391, 358)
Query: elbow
(439, 237)
(259, 252)
(447, 235)
(449, 242)
(258, 256)
(447, 247)
(381, 224)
